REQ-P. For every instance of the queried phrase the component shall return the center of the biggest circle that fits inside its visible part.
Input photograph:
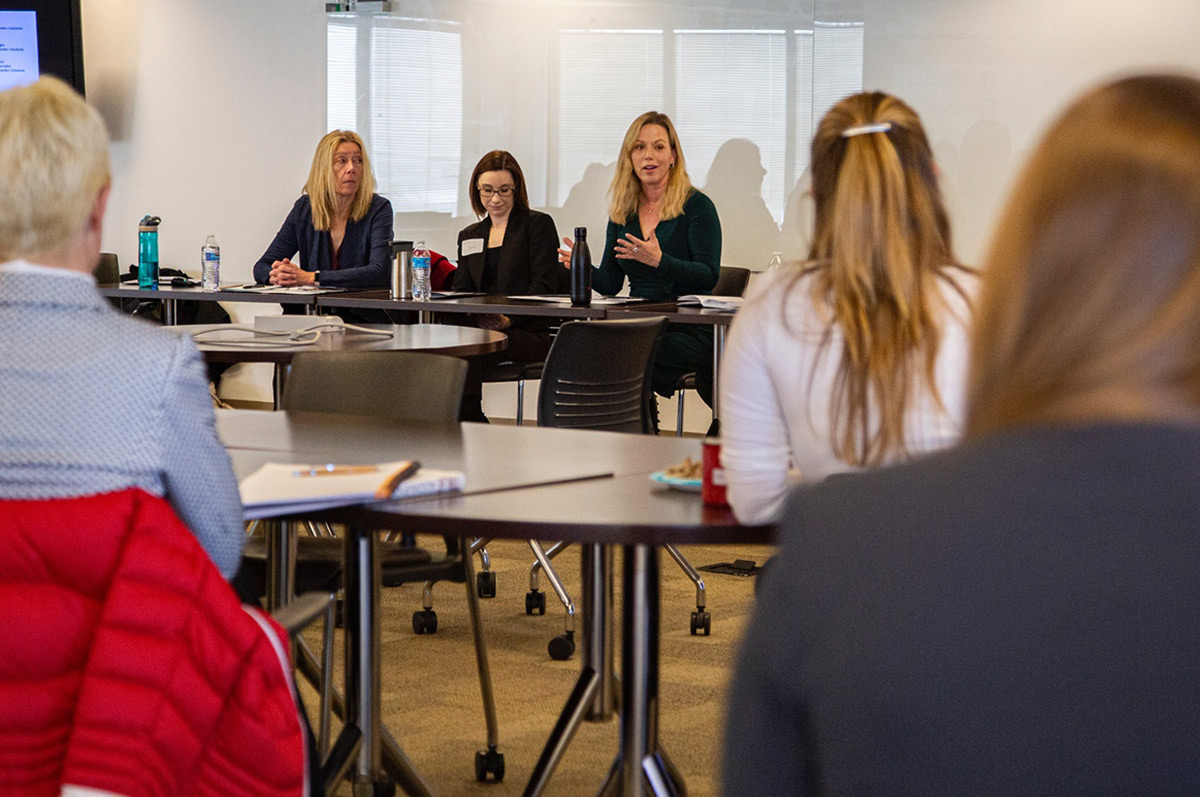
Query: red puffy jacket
(127, 663)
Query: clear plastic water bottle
(776, 260)
(421, 288)
(210, 264)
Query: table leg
(281, 372)
(593, 697)
(362, 653)
(719, 331)
(280, 539)
(169, 312)
(638, 763)
(597, 645)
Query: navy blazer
(528, 257)
(365, 255)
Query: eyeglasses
(504, 191)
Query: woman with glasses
(510, 251)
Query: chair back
(597, 375)
(108, 269)
(731, 281)
(395, 386)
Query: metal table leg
(280, 539)
(593, 696)
(169, 308)
(640, 764)
(718, 353)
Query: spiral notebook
(285, 489)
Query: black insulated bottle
(581, 270)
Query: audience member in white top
(857, 357)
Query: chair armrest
(301, 612)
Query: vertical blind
(742, 93)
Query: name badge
(471, 246)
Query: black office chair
(597, 376)
(731, 282)
(400, 386)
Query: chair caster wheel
(485, 583)
(562, 647)
(489, 762)
(425, 621)
(535, 602)
(700, 622)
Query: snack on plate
(688, 469)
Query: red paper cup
(712, 485)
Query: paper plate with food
(685, 476)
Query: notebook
(283, 488)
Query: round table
(226, 343)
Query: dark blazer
(365, 255)
(528, 258)
(1020, 615)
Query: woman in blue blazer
(339, 225)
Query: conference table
(236, 343)
(171, 295)
(521, 482)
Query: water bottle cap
(580, 232)
(150, 221)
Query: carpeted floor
(431, 694)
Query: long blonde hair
(1090, 301)
(881, 246)
(626, 188)
(322, 193)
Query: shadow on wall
(749, 233)
(112, 44)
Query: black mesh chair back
(597, 375)
(396, 386)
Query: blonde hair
(55, 153)
(626, 188)
(1088, 305)
(881, 247)
(322, 193)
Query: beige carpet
(431, 695)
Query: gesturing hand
(633, 248)
(564, 255)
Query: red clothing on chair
(129, 665)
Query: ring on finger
(635, 247)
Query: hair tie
(877, 127)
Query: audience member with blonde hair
(856, 357)
(664, 236)
(93, 401)
(339, 225)
(1018, 614)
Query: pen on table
(334, 470)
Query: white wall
(988, 76)
(214, 108)
(215, 105)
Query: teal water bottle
(148, 253)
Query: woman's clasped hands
(285, 272)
